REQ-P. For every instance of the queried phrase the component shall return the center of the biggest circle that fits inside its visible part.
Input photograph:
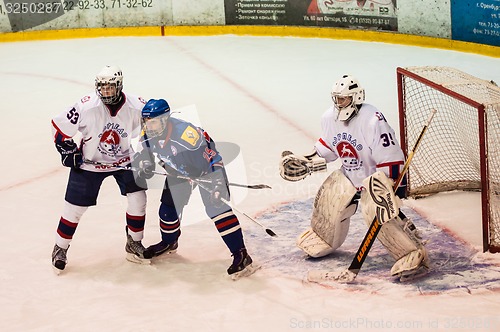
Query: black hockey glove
(218, 194)
(219, 188)
(143, 162)
(70, 153)
(146, 169)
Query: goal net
(461, 147)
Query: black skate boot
(163, 248)
(242, 265)
(59, 259)
(136, 253)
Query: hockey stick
(249, 186)
(199, 182)
(225, 201)
(352, 271)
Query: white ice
(264, 94)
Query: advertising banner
(358, 14)
(476, 21)
(20, 15)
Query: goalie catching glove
(295, 168)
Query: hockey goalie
(358, 134)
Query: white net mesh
(450, 154)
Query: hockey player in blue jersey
(190, 158)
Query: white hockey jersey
(106, 139)
(365, 144)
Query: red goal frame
(481, 120)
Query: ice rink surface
(266, 95)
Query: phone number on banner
(57, 7)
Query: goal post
(461, 148)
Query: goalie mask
(347, 95)
(109, 84)
(155, 116)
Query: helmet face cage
(154, 127)
(347, 95)
(109, 84)
(155, 115)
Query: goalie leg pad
(401, 239)
(398, 236)
(313, 245)
(333, 206)
(412, 264)
(380, 200)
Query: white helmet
(347, 95)
(109, 76)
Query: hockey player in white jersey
(358, 134)
(106, 120)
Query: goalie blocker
(337, 201)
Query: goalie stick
(352, 271)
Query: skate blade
(136, 259)
(164, 254)
(247, 271)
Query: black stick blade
(270, 232)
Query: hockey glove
(295, 168)
(219, 190)
(382, 199)
(70, 153)
(143, 162)
(146, 169)
(217, 193)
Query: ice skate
(242, 265)
(136, 253)
(161, 248)
(59, 259)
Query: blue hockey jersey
(186, 148)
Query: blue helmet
(154, 108)
(155, 116)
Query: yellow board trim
(279, 31)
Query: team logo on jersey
(190, 135)
(348, 154)
(109, 143)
